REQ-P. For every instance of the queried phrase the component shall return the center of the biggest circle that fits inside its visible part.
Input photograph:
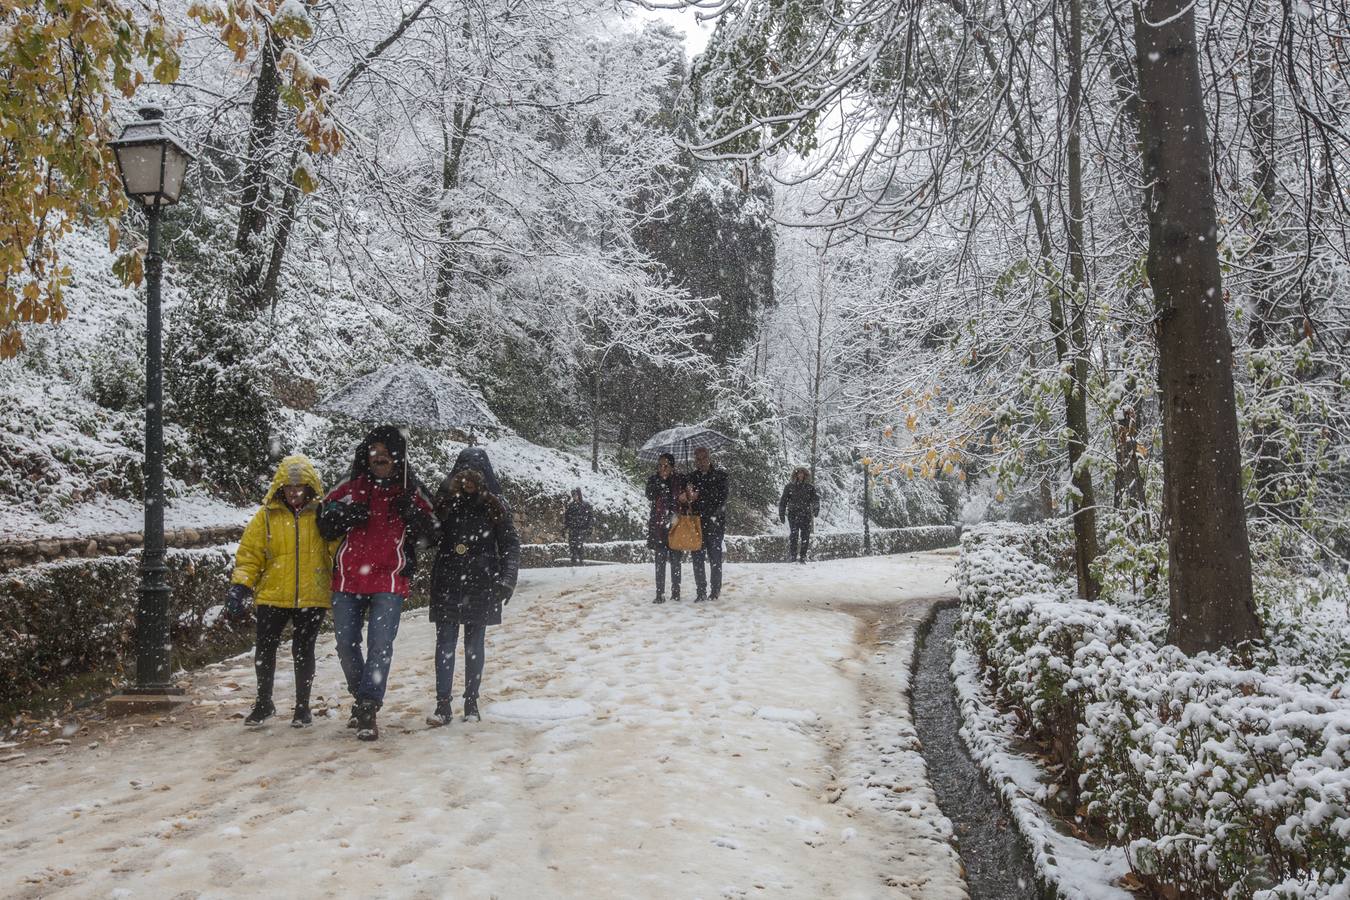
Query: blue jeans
(447, 636)
(712, 553)
(367, 676)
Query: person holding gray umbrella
(380, 513)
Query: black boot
(301, 718)
(366, 727)
(471, 709)
(443, 715)
(353, 720)
(660, 598)
(262, 710)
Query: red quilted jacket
(378, 557)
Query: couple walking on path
(355, 551)
(688, 515)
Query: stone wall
(15, 554)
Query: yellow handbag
(686, 535)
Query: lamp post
(152, 163)
(866, 501)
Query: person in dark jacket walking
(380, 512)
(662, 486)
(473, 577)
(713, 488)
(577, 520)
(799, 506)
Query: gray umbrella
(410, 396)
(681, 442)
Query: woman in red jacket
(380, 512)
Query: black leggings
(271, 623)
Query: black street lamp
(152, 163)
(866, 500)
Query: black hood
(392, 439)
(477, 458)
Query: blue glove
(237, 600)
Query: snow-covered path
(759, 746)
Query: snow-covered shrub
(64, 619)
(1221, 778)
(215, 389)
(117, 367)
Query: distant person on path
(474, 575)
(380, 512)
(578, 517)
(285, 567)
(661, 487)
(713, 488)
(799, 506)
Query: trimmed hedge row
(760, 547)
(67, 618)
(64, 619)
(1218, 778)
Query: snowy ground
(759, 746)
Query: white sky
(696, 34)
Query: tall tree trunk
(281, 237)
(1209, 558)
(1264, 311)
(256, 192)
(1075, 396)
(595, 416)
(818, 374)
(1083, 503)
(455, 135)
(1262, 131)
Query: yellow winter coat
(281, 556)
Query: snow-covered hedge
(761, 547)
(1220, 778)
(63, 619)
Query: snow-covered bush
(1222, 778)
(216, 391)
(64, 619)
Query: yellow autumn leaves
(61, 60)
(243, 25)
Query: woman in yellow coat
(286, 569)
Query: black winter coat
(577, 518)
(800, 502)
(661, 492)
(478, 558)
(713, 489)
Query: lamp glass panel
(141, 169)
(175, 168)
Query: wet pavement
(997, 867)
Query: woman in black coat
(662, 487)
(474, 574)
